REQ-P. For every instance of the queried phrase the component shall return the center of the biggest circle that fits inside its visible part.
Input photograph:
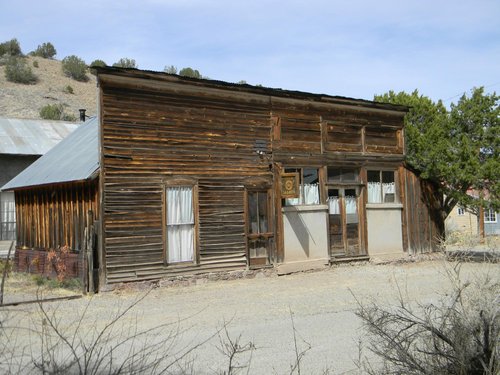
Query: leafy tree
(98, 62)
(16, 70)
(75, 68)
(170, 69)
(458, 150)
(46, 50)
(125, 62)
(11, 48)
(190, 72)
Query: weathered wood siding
(423, 224)
(55, 216)
(157, 130)
(153, 135)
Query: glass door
(344, 221)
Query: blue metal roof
(75, 158)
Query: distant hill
(24, 101)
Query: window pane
(334, 174)
(180, 243)
(180, 205)
(374, 192)
(263, 224)
(253, 221)
(310, 188)
(373, 176)
(388, 186)
(180, 224)
(387, 177)
(333, 202)
(310, 176)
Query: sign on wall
(290, 185)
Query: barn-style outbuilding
(185, 176)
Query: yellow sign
(290, 185)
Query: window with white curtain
(7, 216)
(381, 187)
(309, 187)
(180, 224)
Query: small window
(461, 211)
(490, 216)
(180, 224)
(381, 187)
(309, 187)
(342, 175)
(7, 216)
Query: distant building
(21, 143)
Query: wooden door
(259, 230)
(344, 228)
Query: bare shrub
(460, 334)
(84, 345)
(232, 349)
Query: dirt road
(322, 305)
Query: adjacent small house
(21, 143)
(185, 176)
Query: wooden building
(199, 176)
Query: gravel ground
(259, 309)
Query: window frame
(488, 214)
(460, 211)
(194, 196)
(300, 171)
(397, 198)
(8, 230)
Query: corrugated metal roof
(32, 137)
(75, 158)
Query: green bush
(55, 112)
(35, 64)
(16, 70)
(68, 117)
(125, 62)
(75, 68)
(190, 72)
(52, 111)
(46, 50)
(68, 90)
(11, 48)
(98, 62)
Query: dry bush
(84, 345)
(459, 334)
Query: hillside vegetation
(52, 87)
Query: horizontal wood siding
(55, 216)
(154, 136)
(322, 132)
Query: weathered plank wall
(425, 228)
(152, 137)
(55, 216)
(158, 129)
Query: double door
(343, 220)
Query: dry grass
(25, 101)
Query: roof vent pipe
(82, 114)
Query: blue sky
(347, 48)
